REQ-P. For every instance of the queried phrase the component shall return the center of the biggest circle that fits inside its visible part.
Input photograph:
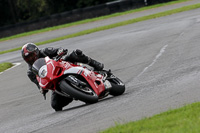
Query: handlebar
(59, 56)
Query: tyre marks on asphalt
(161, 52)
(155, 60)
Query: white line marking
(154, 61)
(15, 65)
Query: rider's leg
(58, 101)
(78, 56)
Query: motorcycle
(76, 81)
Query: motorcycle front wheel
(86, 94)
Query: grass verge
(90, 20)
(4, 66)
(161, 14)
(182, 120)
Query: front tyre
(72, 90)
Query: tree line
(15, 11)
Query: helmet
(30, 53)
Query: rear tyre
(118, 87)
(87, 95)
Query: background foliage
(15, 11)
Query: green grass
(4, 66)
(89, 20)
(161, 14)
(182, 120)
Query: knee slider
(79, 52)
(55, 105)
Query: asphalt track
(158, 60)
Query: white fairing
(73, 70)
(47, 59)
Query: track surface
(157, 59)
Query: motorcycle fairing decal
(47, 59)
(95, 84)
(86, 72)
(52, 66)
(74, 70)
(43, 85)
(67, 65)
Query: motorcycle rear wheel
(77, 93)
(118, 87)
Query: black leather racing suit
(58, 101)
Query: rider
(30, 53)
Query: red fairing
(95, 81)
(55, 69)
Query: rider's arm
(49, 51)
(77, 56)
(32, 77)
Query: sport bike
(76, 81)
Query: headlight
(43, 71)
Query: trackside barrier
(76, 15)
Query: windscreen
(37, 65)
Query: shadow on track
(109, 98)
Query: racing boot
(95, 64)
